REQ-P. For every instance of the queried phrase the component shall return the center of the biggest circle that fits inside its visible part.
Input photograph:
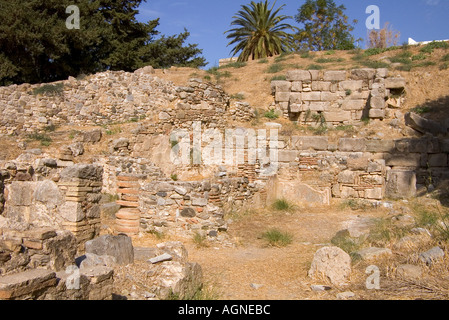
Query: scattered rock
(332, 263)
(373, 253)
(432, 255)
(256, 286)
(120, 247)
(161, 258)
(409, 271)
(319, 287)
(345, 295)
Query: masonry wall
(335, 97)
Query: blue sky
(207, 20)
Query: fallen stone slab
(161, 258)
(424, 125)
(26, 284)
(373, 253)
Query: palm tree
(260, 32)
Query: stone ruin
(50, 206)
(338, 96)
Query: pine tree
(36, 46)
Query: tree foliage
(260, 32)
(36, 46)
(326, 26)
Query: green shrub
(43, 138)
(419, 57)
(280, 77)
(261, 61)
(199, 239)
(445, 58)
(275, 68)
(282, 205)
(49, 89)
(315, 67)
(271, 114)
(375, 64)
(277, 238)
(444, 66)
(421, 110)
(429, 48)
(235, 65)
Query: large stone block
(400, 184)
(329, 96)
(317, 106)
(395, 83)
(403, 160)
(353, 85)
(377, 102)
(282, 96)
(424, 125)
(306, 143)
(377, 113)
(334, 75)
(321, 85)
(311, 96)
(280, 86)
(376, 146)
(20, 193)
(26, 285)
(346, 177)
(296, 86)
(287, 155)
(298, 192)
(295, 97)
(353, 104)
(298, 75)
(363, 74)
(351, 144)
(120, 247)
(337, 116)
(438, 160)
(82, 171)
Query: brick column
(128, 217)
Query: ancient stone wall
(334, 97)
(38, 193)
(114, 97)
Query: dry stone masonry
(335, 97)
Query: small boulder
(120, 247)
(332, 263)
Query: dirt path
(253, 270)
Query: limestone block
(363, 74)
(297, 191)
(400, 184)
(337, 116)
(403, 160)
(334, 75)
(395, 83)
(311, 96)
(26, 284)
(373, 253)
(72, 211)
(329, 96)
(381, 72)
(321, 85)
(377, 146)
(353, 85)
(298, 75)
(375, 194)
(346, 177)
(377, 113)
(353, 104)
(296, 86)
(287, 155)
(305, 143)
(280, 86)
(351, 144)
(295, 98)
(120, 247)
(424, 125)
(377, 102)
(295, 107)
(20, 193)
(318, 106)
(282, 96)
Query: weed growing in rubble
(277, 238)
(282, 205)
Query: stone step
(26, 283)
